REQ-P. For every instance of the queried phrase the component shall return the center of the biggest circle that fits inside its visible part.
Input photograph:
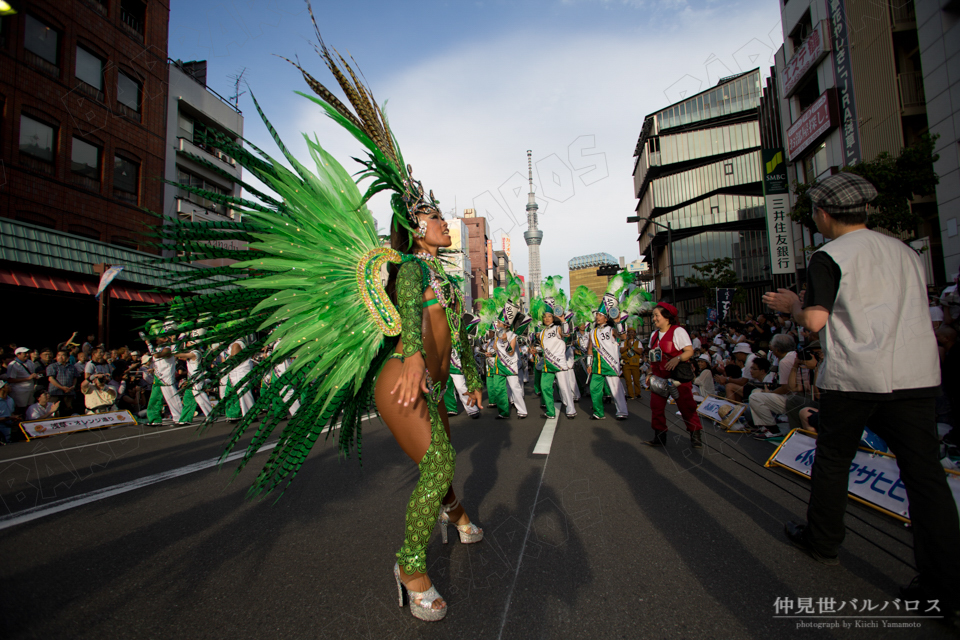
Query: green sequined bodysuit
(439, 462)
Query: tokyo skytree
(533, 237)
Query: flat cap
(843, 192)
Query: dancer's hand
(412, 380)
(475, 398)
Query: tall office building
(698, 169)
(853, 86)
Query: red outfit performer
(669, 346)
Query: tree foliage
(717, 274)
(898, 180)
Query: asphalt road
(132, 533)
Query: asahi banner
(56, 426)
(874, 478)
(777, 200)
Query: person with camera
(670, 347)
(98, 396)
(866, 296)
(766, 405)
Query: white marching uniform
(555, 354)
(460, 382)
(235, 376)
(203, 402)
(514, 388)
(166, 370)
(606, 347)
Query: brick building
(83, 87)
(477, 228)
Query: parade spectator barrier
(874, 475)
(722, 411)
(55, 426)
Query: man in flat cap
(866, 295)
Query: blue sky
(472, 85)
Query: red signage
(806, 57)
(819, 118)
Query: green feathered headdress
(583, 302)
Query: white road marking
(33, 513)
(523, 548)
(100, 442)
(545, 441)
(57, 506)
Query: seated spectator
(98, 397)
(42, 408)
(62, 379)
(8, 418)
(703, 383)
(760, 379)
(803, 381)
(733, 378)
(765, 406)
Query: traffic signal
(608, 270)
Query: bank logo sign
(779, 225)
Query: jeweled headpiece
(415, 200)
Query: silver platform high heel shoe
(421, 602)
(469, 533)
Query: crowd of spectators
(771, 365)
(72, 378)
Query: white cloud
(465, 119)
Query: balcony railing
(910, 84)
(902, 12)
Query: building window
(126, 174)
(85, 164)
(90, 73)
(815, 164)
(43, 42)
(37, 140)
(728, 168)
(191, 180)
(808, 93)
(128, 95)
(185, 127)
(133, 14)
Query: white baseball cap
(742, 347)
(21, 350)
